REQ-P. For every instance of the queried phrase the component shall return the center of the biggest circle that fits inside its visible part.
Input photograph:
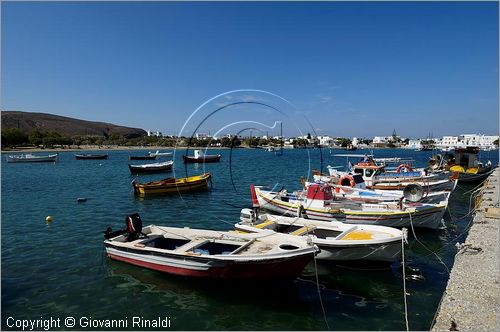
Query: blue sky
(353, 69)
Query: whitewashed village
(445, 143)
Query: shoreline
(105, 148)
(83, 148)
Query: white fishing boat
(352, 187)
(200, 157)
(209, 254)
(375, 177)
(159, 154)
(336, 240)
(319, 203)
(31, 158)
(151, 168)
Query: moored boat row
(338, 217)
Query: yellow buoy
(48, 219)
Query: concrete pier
(470, 301)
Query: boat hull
(152, 169)
(443, 185)
(473, 178)
(33, 159)
(204, 159)
(178, 186)
(283, 268)
(204, 253)
(85, 157)
(429, 217)
(385, 252)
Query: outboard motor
(247, 216)
(134, 226)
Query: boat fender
(404, 168)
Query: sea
(58, 270)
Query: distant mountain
(28, 122)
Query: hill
(28, 122)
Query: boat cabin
(319, 195)
(368, 172)
(467, 157)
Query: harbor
(355, 296)
(249, 166)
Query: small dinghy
(207, 253)
(336, 240)
(151, 168)
(199, 157)
(172, 185)
(31, 158)
(145, 157)
(159, 154)
(91, 156)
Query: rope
(423, 245)
(319, 293)
(466, 229)
(404, 282)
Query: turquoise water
(59, 269)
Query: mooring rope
(319, 293)
(404, 281)
(423, 245)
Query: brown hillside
(65, 126)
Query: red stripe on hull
(284, 269)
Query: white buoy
(48, 219)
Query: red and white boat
(209, 254)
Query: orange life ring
(400, 167)
(352, 183)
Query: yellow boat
(172, 185)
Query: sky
(334, 68)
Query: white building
(487, 142)
(449, 141)
(354, 141)
(414, 144)
(202, 136)
(482, 141)
(155, 133)
(325, 140)
(379, 140)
